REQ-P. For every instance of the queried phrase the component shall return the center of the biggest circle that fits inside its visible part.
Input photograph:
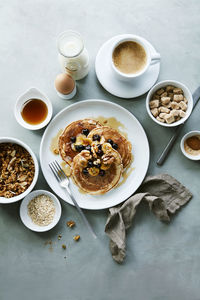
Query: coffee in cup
(129, 57)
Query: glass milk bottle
(73, 56)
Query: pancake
(67, 148)
(123, 145)
(98, 178)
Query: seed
(64, 246)
(73, 139)
(85, 131)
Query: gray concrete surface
(163, 261)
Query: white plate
(136, 135)
(119, 88)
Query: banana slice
(93, 171)
(105, 167)
(107, 147)
(79, 139)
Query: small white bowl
(4, 200)
(32, 93)
(187, 95)
(187, 135)
(26, 219)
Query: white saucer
(119, 88)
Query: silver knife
(164, 154)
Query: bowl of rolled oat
(18, 170)
(169, 103)
(40, 211)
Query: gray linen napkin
(163, 193)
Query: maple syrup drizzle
(54, 142)
(125, 175)
(113, 123)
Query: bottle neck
(70, 44)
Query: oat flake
(41, 209)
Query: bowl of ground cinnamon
(190, 145)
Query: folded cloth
(163, 193)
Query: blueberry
(110, 141)
(99, 152)
(98, 166)
(85, 132)
(115, 146)
(79, 148)
(102, 173)
(85, 171)
(88, 148)
(99, 146)
(73, 139)
(90, 163)
(96, 137)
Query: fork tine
(54, 172)
(60, 169)
(59, 173)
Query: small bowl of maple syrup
(33, 110)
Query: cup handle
(155, 58)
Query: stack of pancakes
(97, 155)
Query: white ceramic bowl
(187, 94)
(32, 93)
(187, 135)
(26, 219)
(19, 197)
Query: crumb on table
(71, 223)
(64, 246)
(76, 238)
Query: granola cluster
(16, 170)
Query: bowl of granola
(169, 103)
(18, 170)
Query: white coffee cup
(151, 58)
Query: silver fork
(64, 183)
